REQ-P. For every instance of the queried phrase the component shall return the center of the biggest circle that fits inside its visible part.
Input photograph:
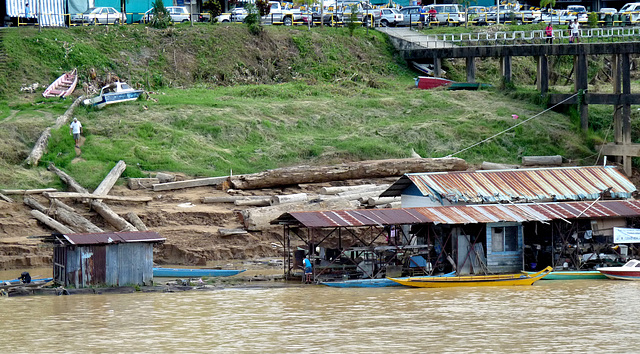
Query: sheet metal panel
(113, 237)
(51, 11)
(561, 183)
(463, 214)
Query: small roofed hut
(104, 259)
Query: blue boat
(113, 93)
(18, 281)
(370, 283)
(194, 273)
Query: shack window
(504, 239)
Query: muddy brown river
(550, 316)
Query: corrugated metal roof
(524, 185)
(463, 214)
(113, 237)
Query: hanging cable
(524, 121)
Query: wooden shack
(104, 259)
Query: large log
(210, 181)
(5, 198)
(542, 160)
(51, 223)
(111, 217)
(264, 201)
(94, 196)
(353, 170)
(41, 144)
(340, 189)
(497, 166)
(364, 191)
(373, 201)
(27, 191)
(135, 221)
(142, 183)
(76, 221)
(234, 198)
(259, 218)
(110, 180)
(288, 198)
(34, 204)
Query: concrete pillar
(471, 69)
(626, 109)
(505, 68)
(543, 74)
(616, 74)
(437, 67)
(581, 83)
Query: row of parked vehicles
(339, 13)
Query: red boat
(426, 82)
(629, 271)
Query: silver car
(99, 15)
(390, 17)
(177, 13)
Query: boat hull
(371, 283)
(425, 83)
(573, 275)
(474, 280)
(63, 86)
(194, 273)
(617, 273)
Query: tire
(95, 22)
(384, 23)
(365, 21)
(287, 21)
(225, 21)
(185, 20)
(116, 22)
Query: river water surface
(550, 316)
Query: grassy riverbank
(223, 100)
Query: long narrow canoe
(63, 86)
(8, 284)
(194, 273)
(572, 275)
(371, 283)
(474, 280)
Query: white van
(632, 10)
(448, 14)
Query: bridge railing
(587, 35)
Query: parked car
(236, 15)
(631, 12)
(450, 14)
(608, 11)
(329, 18)
(99, 15)
(390, 17)
(410, 15)
(477, 15)
(177, 13)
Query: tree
(545, 3)
(253, 19)
(161, 17)
(308, 6)
(466, 4)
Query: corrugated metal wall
(52, 11)
(507, 261)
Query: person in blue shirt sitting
(308, 270)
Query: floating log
(340, 189)
(5, 198)
(111, 217)
(497, 166)
(210, 181)
(135, 220)
(27, 191)
(93, 196)
(229, 232)
(262, 201)
(54, 225)
(259, 218)
(141, 183)
(373, 201)
(542, 160)
(165, 177)
(110, 180)
(288, 198)
(353, 170)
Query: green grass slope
(224, 100)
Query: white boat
(63, 86)
(629, 271)
(113, 93)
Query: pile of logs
(64, 219)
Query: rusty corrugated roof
(463, 214)
(113, 237)
(521, 185)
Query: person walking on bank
(75, 129)
(575, 31)
(549, 32)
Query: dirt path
(79, 150)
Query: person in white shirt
(575, 31)
(75, 129)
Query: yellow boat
(473, 280)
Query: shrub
(593, 19)
(253, 19)
(161, 17)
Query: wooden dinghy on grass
(63, 86)
(474, 280)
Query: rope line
(510, 128)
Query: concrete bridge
(618, 43)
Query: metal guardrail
(588, 35)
